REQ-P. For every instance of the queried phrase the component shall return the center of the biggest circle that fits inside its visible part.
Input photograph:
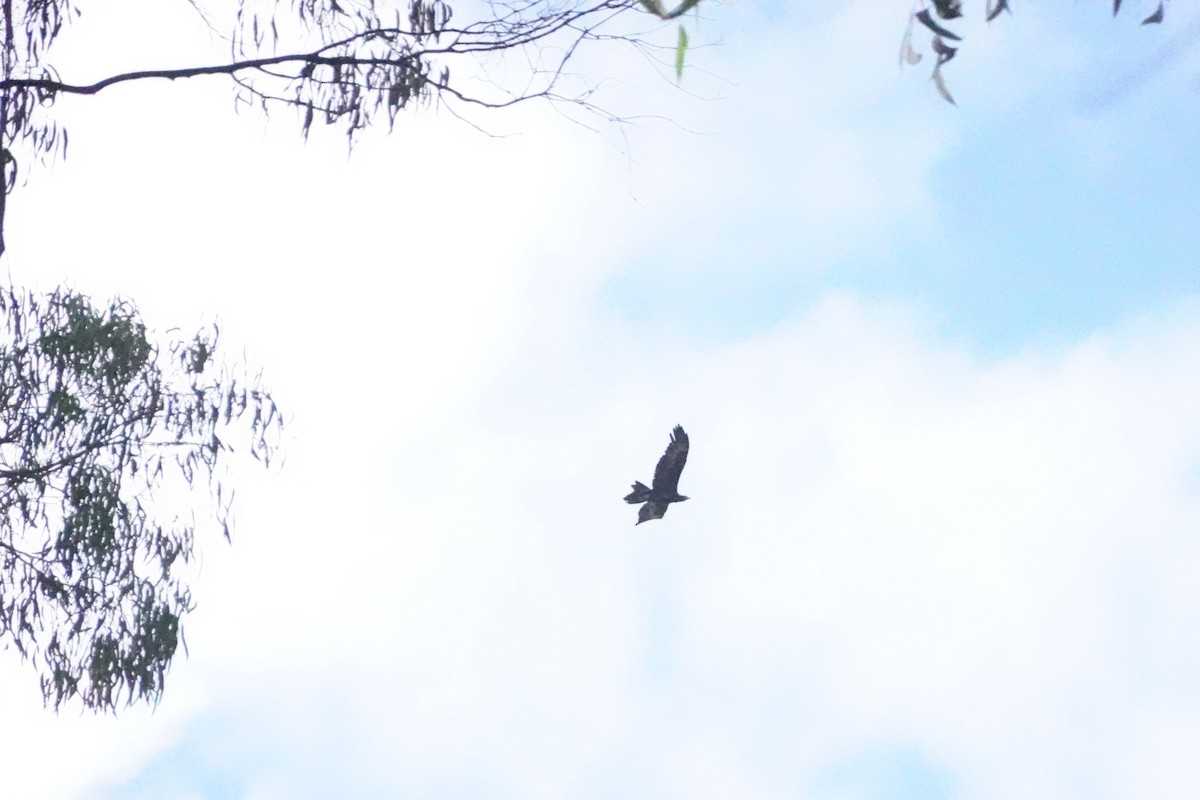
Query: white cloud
(923, 548)
(888, 543)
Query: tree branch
(315, 58)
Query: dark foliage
(350, 63)
(96, 427)
(934, 12)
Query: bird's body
(665, 487)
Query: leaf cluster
(28, 29)
(933, 16)
(349, 63)
(364, 62)
(97, 429)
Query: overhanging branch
(314, 59)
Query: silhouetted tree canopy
(352, 63)
(101, 435)
(358, 63)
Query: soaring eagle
(666, 480)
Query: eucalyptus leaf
(681, 47)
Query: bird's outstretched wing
(651, 510)
(670, 466)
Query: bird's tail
(640, 493)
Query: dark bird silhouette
(666, 480)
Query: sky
(939, 365)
